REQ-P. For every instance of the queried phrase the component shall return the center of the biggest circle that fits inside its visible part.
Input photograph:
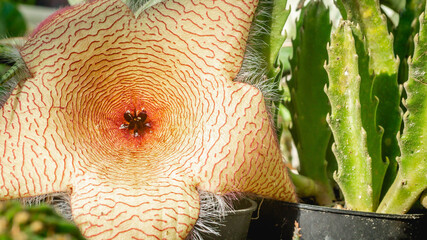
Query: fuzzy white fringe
(59, 201)
(254, 67)
(213, 209)
(18, 72)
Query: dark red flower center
(135, 122)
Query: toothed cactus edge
(411, 179)
(355, 174)
(309, 104)
(383, 67)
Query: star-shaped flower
(93, 65)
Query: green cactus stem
(411, 179)
(373, 24)
(360, 167)
(15, 71)
(305, 187)
(309, 104)
(396, 5)
(404, 34)
(383, 66)
(403, 47)
(10, 73)
(275, 19)
(369, 106)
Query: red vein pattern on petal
(92, 63)
(146, 212)
(255, 165)
(31, 163)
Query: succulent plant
(411, 179)
(379, 168)
(306, 87)
(352, 121)
(136, 109)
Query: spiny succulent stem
(383, 67)
(11, 72)
(309, 104)
(352, 121)
(411, 180)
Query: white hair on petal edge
(137, 6)
(16, 73)
(59, 201)
(9, 52)
(254, 67)
(213, 209)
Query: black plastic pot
(277, 220)
(235, 225)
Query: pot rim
(411, 216)
(253, 206)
